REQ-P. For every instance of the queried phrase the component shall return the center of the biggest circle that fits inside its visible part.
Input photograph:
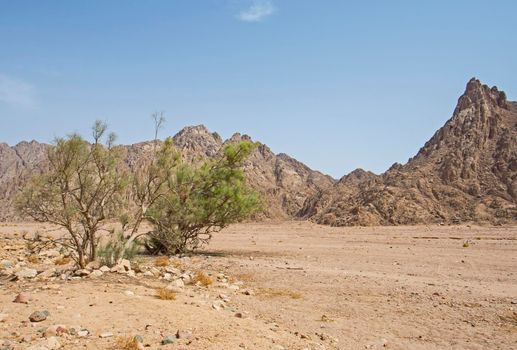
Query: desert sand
(300, 286)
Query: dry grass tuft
(161, 261)
(63, 260)
(202, 278)
(127, 343)
(33, 259)
(165, 294)
(276, 292)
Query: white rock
(129, 293)
(52, 343)
(96, 273)
(126, 264)
(106, 335)
(26, 273)
(104, 269)
(178, 283)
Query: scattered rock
(3, 317)
(169, 339)
(96, 273)
(129, 293)
(22, 298)
(104, 269)
(184, 334)
(26, 273)
(106, 335)
(52, 343)
(82, 273)
(39, 316)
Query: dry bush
(161, 261)
(127, 343)
(202, 278)
(165, 294)
(33, 259)
(277, 292)
(63, 260)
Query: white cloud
(15, 92)
(259, 10)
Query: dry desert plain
(290, 285)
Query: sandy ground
(312, 287)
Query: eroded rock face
(466, 172)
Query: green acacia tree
(201, 199)
(80, 188)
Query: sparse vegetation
(165, 294)
(116, 248)
(33, 259)
(127, 343)
(202, 278)
(202, 199)
(84, 185)
(79, 189)
(62, 260)
(161, 261)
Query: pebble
(3, 317)
(129, 293)
(184, 334)
(83, 333)
(106, 335)
(39, 316)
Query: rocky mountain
(285, 184)
(467, 172)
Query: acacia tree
(201, 199)
(80, 189)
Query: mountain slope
(466, 172)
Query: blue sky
(336, 84)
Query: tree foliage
(202, 199)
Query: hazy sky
(336, 84)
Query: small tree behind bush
(202, 199)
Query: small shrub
(161, 261)
(466, 244)
(165, 294)
(62, 260)
(114, 250)
(33, 259)
(202, 278)
(127, 343)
